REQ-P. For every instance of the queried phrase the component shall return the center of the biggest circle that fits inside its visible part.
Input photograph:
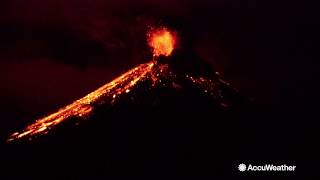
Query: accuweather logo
(267, 167)
(242, 167)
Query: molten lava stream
(83, 107)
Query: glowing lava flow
(83, 106)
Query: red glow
(162, 41)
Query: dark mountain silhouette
(189, 123)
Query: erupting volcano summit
(163, 42)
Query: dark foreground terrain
(174, 128)
(165, 133)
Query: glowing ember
(162, 41)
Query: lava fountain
(162, 41)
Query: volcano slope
(180, 119)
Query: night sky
(55, 51)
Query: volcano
(149, 85)
(169, 116)
(179, 72)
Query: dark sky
(55, 51)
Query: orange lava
(84, 106)
(162, 41)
